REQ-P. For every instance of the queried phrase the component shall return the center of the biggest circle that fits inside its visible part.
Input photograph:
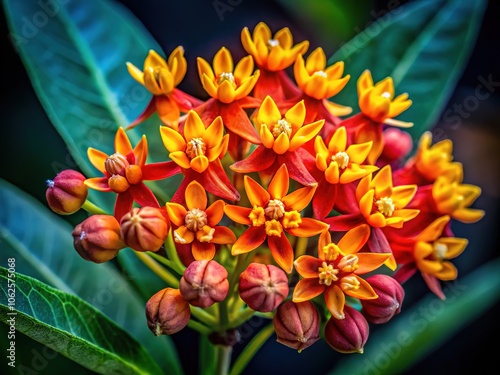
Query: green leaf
(423, 46)
(76, 62)
(70, 326)
(428, 324)
(42, 245)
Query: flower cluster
(285, 196)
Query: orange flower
(161, 78)
(124, 173)
(198, 152)
(429, 252)
(273, 214)
(335, 272)
(281, 139)
(196, 225)
(273, 54)
(338, 164)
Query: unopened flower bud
(167, 312)
(116, 164)
(297, 324)
(263, 287)
(348, 335)
(204, 282)
(97, 238)
(67, 192)
(144, 229)
(397, 145)
(390, 298)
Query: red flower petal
(282, 251)
(159, 171)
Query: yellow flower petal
(196, 196)
(223, 62)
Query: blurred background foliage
(32, 151)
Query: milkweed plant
(279, 200)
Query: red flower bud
(263, 287)
(348, 335)
(167, 312)
(297, 324)
(397, 145)
(144, 229)
(97, 238)
(390, 298)
(67, 192)
(204, 282)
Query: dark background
(29, 140)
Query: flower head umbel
(429, 252)
(273, 54)
(161, 78)
(198, 151)
(124, 173)
(337, 164)
(281, 137)
(378, 107)
(229, 87)
(318, 83)
(273, 215)
(196, 225)
(335, 272)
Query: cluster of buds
(272, 172)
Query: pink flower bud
(167, 312)
(390, 298)
(204, 282)
(397, 145)
(97, 238)
(67, 192)
(144, 229)
(263, 287)
(348, 335)
(297, 324)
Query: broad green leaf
(42, 245)
(423, 46)
(77, 65)
(70, 326)
(413, 334)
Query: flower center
(195, 147)
(116, 164)
(275, 209)
(195, 219)
(273, 228)
(342, 159)
(385, 206)
(257, 215)
(282, 126)
(440, 250)
(348, 263)
(327, 274)
(386, 95)
(273, 43)
(226, 76)
(320, 73)
(331, 251)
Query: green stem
(223, 359)
(176, 262)
(251, 349)
(203, 316)
(242, 317)
(91, 208)
(223, 315)
(166, 276)
(199, 327)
